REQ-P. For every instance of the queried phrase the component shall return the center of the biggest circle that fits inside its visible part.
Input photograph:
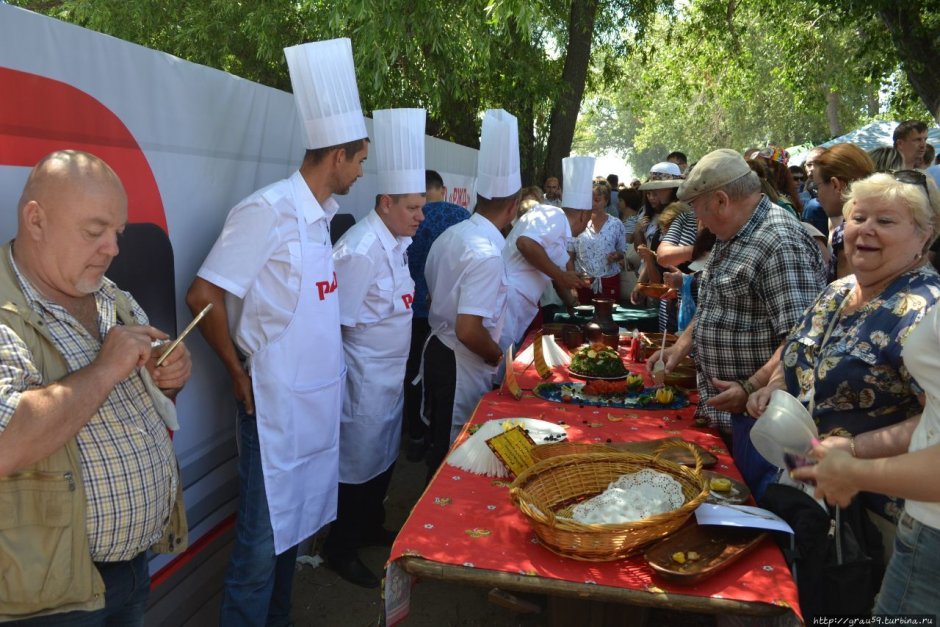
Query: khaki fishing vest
(44, 555)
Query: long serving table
(464, 529)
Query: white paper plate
(475, 456)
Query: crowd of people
(852, 338)
(400, 327)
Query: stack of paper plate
(475, 456)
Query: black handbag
(835, 554)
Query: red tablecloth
(466, 519)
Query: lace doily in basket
(630, 498)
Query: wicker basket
(545, 451)
(546, 491)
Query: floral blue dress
(858, 380)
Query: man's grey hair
(742, 187)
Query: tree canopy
(747, 73)
(646, 76)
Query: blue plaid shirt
(438, 217)
(755, 287)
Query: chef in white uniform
(536, 251)
(375, 296)
(275, 325)
(468, 285)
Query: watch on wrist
(747, 385)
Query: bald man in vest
(83, 406)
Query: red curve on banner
(39, 115)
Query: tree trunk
(527, 145)
(832, 113)
(874, 103)
(568, 101)
(917, 48)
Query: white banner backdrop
(188, 142)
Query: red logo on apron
(408, 299)
(325, 287)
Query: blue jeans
(127, 587)
(258, 583)
(758, 473)
(910, 583)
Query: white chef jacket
(257, 260)
(361, 258)
(466, 275)
(547, 226)
(375, 295)
(921, 354)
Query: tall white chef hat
(398, 150)
(498, 162)
(578, 190)
(324, 81)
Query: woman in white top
(599, 250)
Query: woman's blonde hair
(601, 186)
(526, 205)
(924, 207)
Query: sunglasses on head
(912, 177)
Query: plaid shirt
(753, 290)
(126, 454)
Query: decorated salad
(597, 360)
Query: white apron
(370, 427)
(297, 380)
(520, 312)
(474, 377)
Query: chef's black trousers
(360, 514)
(414, 427)
(440, 380)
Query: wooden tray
(739, 492)
(674, 454)
(718, 547)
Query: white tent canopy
(871, 136)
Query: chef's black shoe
(351, 568)
(379, 537)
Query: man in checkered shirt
(763, 272)
(84, 448)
